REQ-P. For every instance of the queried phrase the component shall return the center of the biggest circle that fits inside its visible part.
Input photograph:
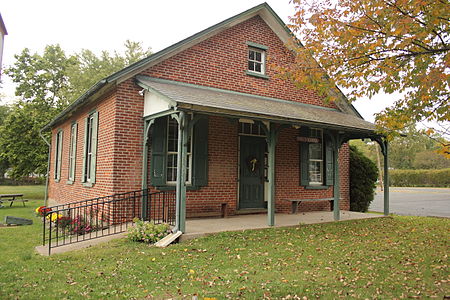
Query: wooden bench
(12, 198)
(296, 202)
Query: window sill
(88, 184)
(57, 180)
(69, 182)
(316, 187)
(256, 74)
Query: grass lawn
(381, 258)
(35, 192)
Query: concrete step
(169, 239)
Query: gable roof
(263, 10)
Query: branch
(416, 42)
(405, 13)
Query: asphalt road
(415, 201)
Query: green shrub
(363, 176)
(428, 178)
(147, 232)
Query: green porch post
(181, 172)
(272, 139)
(184, 137)
(144, 207)
(386, 178)
(336, 186)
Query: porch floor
(200, 227)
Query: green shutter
(94, 146)
(200, 153)
(55, 171)
(304, 157)
(159, 145)
(60, 153)
(74, 167)
(83, 176)
(329, 169)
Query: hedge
(363, 175)
(430, 178)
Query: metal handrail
(74, 222)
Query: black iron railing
(89, 219)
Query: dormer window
(256, 59)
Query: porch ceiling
(213, 100)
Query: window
(58, 155)
(315, 168)
(172, 153)
(246, 128)
(90, 149)
(72, 152)
(164, 153)
(256, 60)
(316, 158)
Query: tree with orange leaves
(371, 46)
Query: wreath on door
(253, 164)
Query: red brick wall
(220, 61)
(287, 176)
(129, 136)
(62, 191)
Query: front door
(251, 173)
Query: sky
(105, 25)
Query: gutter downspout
(48, 167)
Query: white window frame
(72, 152)
(58, 155)
(175, 155)
(254, 61)
(316, 133)
(88, 168)
(90, 149)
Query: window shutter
(329, 169)
(159, 146)
(83, 176)
(94, 146)
(304, 157)
(200, 153)
(59, 141)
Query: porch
(196, 228)
(214, 146)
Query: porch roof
(219, 101)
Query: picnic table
(12, 198)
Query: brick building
(245, 139)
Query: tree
(46, 84)
(430, 159)
(43, 79)
(91, 68)
(368, 46)
(412, 150)
(363, 176)
(20, 142)
(4, 163)
(44, 88)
